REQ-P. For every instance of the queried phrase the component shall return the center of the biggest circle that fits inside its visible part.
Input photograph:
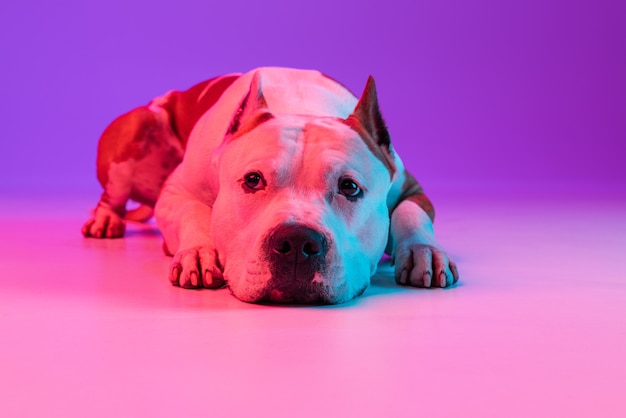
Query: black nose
(296, 244)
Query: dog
(278, 183)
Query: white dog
(289, 189)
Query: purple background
(527, 92)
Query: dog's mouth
(297, 259)
(297, 290)
(290, 283)
(312, 294)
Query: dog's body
(289, 189)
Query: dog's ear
(252, 105)
(368, 122)
(367, 116)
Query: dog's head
(301, 215)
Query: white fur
(302, 152)
(302, 158)
(302, 168)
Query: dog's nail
(193, 277)
(211, 280)
(455, 272)
(175, 274)
(426, 278)
(442, 279)
(403, 276)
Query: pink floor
(536, 327)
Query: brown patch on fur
(250, 125)
(134, 134)
(412, 191)
(186, 107)
(127, 137)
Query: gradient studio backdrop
(530, 91)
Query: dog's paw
(423, 265)
(104, 224)
(196, 267)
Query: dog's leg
(107, 220)
(136, 153)
(418, 258)
(185, 223)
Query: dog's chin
(317, 293)
(284, 293)
(276, 297)
(280, 297)
(314, 294)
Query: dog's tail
(140, 214)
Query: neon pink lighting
(535, 328)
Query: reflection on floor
(536, 327)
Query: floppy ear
(252, 104)
(367, 114)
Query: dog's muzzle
(296, 245)
(295, 254)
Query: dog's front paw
(424, 265)
(196, 267)
(104, 224)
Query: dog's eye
(349, 189)
(254, 181)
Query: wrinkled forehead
(339, 142)
(275, 138)
(294, 137)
